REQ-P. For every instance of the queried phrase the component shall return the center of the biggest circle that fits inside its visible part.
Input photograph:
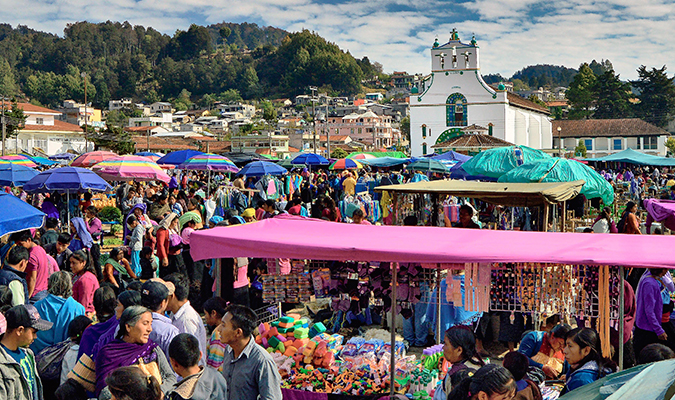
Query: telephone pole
(86, 132)
(4, 126)
(313, 89)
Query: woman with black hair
(583, 353)
(629, 222)
(459, 350)
(491, 382)
(543, 349)
(84, 280)
(131, 383)
(604, 223)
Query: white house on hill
(455, 96)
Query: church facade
(455, 96)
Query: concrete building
(120, 104)
(247, 110)
(603, 137)
(367, 127)
(455, 96)
(45, 133)
(165, 120)
(77, 113)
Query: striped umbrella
(153, 156)
(346, 163)
(90, 159)
(363, 156)
(130, 168)
(209, 161)
(18, 159)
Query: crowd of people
(141, 321)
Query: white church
(455, 96)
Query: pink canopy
(304, 238)
(661, 211)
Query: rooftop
(605, 128)
(60, 126)
(472, 141)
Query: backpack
(50, 359)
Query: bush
(110, 214)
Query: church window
(456, 110)
(424, 131)
(424, 148)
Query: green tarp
(496, 162)
(562, 170)
(631, 156)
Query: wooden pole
(546, 211)
(622, 316)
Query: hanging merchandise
(227, 197)
(364, 202)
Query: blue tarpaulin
(17, 215)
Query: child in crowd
(214, 309)
(198, 383)
(517, 364)
(490, 382)
(135, 243)
(75, 330)
(584, 356)
(149, 264)
(459, 350)
(655, 352)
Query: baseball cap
(169, 285)
(26, 316)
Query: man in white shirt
(183, 315)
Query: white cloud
(398, 33)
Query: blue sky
(398, 33)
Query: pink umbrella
(130, 168)
(363, 156)
(92, 158)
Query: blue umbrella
(262, 168)
(66, 179)
(452, 156)
(15, 175)
(39, 160)
(148, 154)
(178, 157)
(17, 215)
(310, 159)
(63, 156)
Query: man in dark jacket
(160, 208)
(13, 274)
(199, 382)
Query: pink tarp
(304, 238)
(660, 211)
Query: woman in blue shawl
(139, 210)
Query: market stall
(508, 194)
(286, 237)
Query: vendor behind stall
(544, 349)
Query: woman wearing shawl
(116, 268)
(139, 210)
(50, 209)
(169, 245)
(132, 346)
(82, 240)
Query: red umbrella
(92, 158)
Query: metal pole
(86, 133)
(621, 315)
(327, 132)
(68, 207)
(4, 126)
(438, 304)
(392, 365)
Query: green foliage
(230, 96)
(491, 79)
(537, 76)
(114, 138)
(269, 112)
(533, 98)
(15, 119)
(306, 59)
(246, 35)
(8, 85)
(670, 145)
(519, 85)
(581, 94)
(612, 96)
(601, 67)
(580, 150)
(338, 153)
(115, 229)
(405, 128)
(113, 242)
(657, 95)
(190, 44)
(110, 214)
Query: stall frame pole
(392, 366)
(438, 303)
(621, 315)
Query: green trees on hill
(227, 61)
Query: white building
(247, 110)
(455, 96)
(160, 107)
(164, 120)
(119, 104)
(45, 133)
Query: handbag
(50, 359)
